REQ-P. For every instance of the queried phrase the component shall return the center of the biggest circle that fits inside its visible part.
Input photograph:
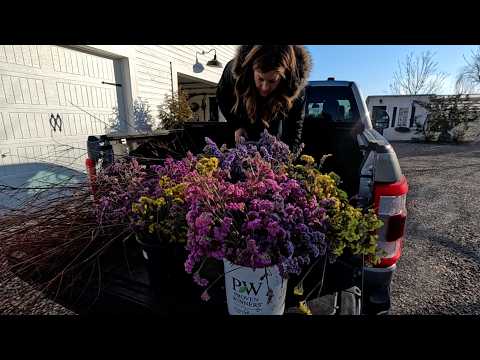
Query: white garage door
(51, 99)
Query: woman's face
(267, 82)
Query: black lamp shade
(214, 62)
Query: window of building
(403, 117)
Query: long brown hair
(279, 58)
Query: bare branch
(463, 86)
(417, 75)
(468, 78)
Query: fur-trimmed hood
(304, 65)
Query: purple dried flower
(205, 296)
(199, 280)
(252, 213)
(211, 149)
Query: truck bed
(131, 290)
(320, 139)
(128, 290)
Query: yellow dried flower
(178, 201)
(303, 307)
(308, 159)
(135, 208)
(298, 290)
(206, 165)
(179, 189)
(151, 228)
(164, 181)
(145, 199)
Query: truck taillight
(390, 205)
(396, 227)
(92, 172)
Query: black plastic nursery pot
(164, 262)
(172, 287)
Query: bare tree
(447, 113)
(469, 77)
(418, 74)
(463, 86)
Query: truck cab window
(335, 105)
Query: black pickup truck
(336, 122)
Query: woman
(263, 88)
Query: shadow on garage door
(20, 183)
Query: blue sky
(372, 66)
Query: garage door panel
(27, 56)
(10, 54)
(68, 61)
(24, 55)
(86, 100)
(33, 90)
(68, 125)
(3, 130)
(7, 126)
(27, 98)
(22, 91)
(80, 124)
(70, 155)
(18, 55)
(30, 154)
(37, 81)
(17, 90)
(21, 125)
(34, 125)
(62, 64)
(78, 95)
(55, 58)
(41, 123)
(7, 90)
(49, 75)
(3, 55)
(16, 126)
(3, 96)
(101, 123)
(86, 96)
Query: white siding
(38, 81)
(399, 102)
(152, 68)
(43, 84)
(146, 68)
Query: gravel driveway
(19, 298)
(439, 272)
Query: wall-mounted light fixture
(198, 67)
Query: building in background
(403, 111)
(406, 114)
(53, 97)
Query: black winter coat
(288, 128)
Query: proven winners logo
(243, 288)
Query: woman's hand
(241, 132)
